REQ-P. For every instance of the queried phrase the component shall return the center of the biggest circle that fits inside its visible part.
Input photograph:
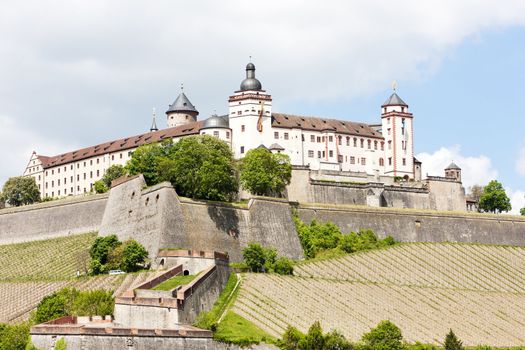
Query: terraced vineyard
(425, 289)
(46, 260)
(30, 271)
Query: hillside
(30, 271)
(424, 288)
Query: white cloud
(520, 162)
(475, 170)
(517, 199)
(18, 146)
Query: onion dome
(216, 121)
(250, 83)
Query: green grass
(208, 320)
(174, 282)
(46, 260)
(238, 330)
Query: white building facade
(318, 143)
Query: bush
(61, 344)
(71, 302)
(283, 266)
(14, 337)
(385, 336)
(108, 253)
(100, 187)
(254, 256)
(291, 338)
(319, 237)
(452, 342)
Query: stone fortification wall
(142, 339)
(422, 226)
(52, 219)
(309, 186)
(156, 218)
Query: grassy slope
(424, 288)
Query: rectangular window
(91, 162)
(46, 185)
(242, 149)
(382, 146)
(121, 156)
(352, 160)
(340, 158)
(84, 164)
(58, 182)
(339, 140)
(322, 138)
(363, 161)
(324, 154)
(71, 190)
(389, 160)
(286, 136)
(227, 134)
(330, 139)
(243, 128)
(65, 169)
(98, 160)
(389, 144)
(52, 183)
(71, 169)
(216, 133)
(375, 145)
(369, 144)
(52, 171)
(310, 154)
(71, 180)
(78, 177)
(78, 165)
(312, 138)
(318, 154)
(404, 161)
(90, 174)
(84, 176)
(65, 181)
(318, 139)
(65, 191)
(276, 135)
(78, 188)
(112, 158)
(58, 170)
(362, 143)
(348, 141)
(355, 142)
(98, 173)
(330, 153)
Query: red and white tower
(398, 131)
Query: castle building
(318, 143)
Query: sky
(77, 73)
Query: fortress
(377, 160)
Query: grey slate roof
(216, 121)
(182, 104)
(277, 147)
(394, 100)
(452, 166)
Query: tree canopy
(145, 160)
(386, 336)
(20, 190)
(452, 342)
(265, 173)
(200, 167)
(113, 172)
(494, 198)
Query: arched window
(362, 143)
(375, 145)
(369, 144)
(355, 141)
(381, 162)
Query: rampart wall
(52, 219)
(422, 226)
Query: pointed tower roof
(394, 100)
(154, 122)
(452, 166)
(182, 104)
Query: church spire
(154, 122)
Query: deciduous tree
(494, 198)
(113, 172)
(20, 190)
(265, 173)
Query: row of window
(71, 179)
(121, 156)
(216, 134)
(65, 193)
(351, 159)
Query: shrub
(133, 256)
(452, 342)
(71, 302)
(254, 256)
(291, 338)
(314, 339)
(336, 341)
(14, 337)
(385, 336)
(100, 187)
(283, 266)
(61, 344)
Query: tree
(145, 159)
(494, 199)
(254, 256)
(336, 341)
(200, 167)
(291, 338)
(133, 256)
(20, 190)
(522, 211)
(283, 266)
(475, 192)
(314, 339)
(452, 342)
(385, 336)
(113, 172)
(264, 173)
